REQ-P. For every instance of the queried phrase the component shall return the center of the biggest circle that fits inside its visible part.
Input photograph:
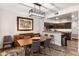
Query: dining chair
(46, 45)
(7, 41)
(35, 47)
(42, 43)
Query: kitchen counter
(62, 33)
(63, 30)
(52, 31)
(57, 36)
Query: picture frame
(24, 24)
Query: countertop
(52, 31)
(59, 30)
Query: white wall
(78, 32)
(75, 26)
(8, 24)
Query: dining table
(25, 42)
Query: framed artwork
(24, 24)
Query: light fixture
(57, 18)
(73, 16)
(36, 12)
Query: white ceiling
(65, 5)
(46, 7)
(64, 16)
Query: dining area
(32, 45)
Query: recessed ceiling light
(73, 15)
(57, 18)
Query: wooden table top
(23, 42)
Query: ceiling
(64, 16)
(50, 7)
(46, 7)
(65, 5)
(69, 17)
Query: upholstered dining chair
(46, 45)
(7, 41)
(35, 47)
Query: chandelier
(37, 12)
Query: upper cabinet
(58, 25)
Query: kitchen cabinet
(58, 25)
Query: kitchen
(62, 27)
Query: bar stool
(52, 40)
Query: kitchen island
(57, 37)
